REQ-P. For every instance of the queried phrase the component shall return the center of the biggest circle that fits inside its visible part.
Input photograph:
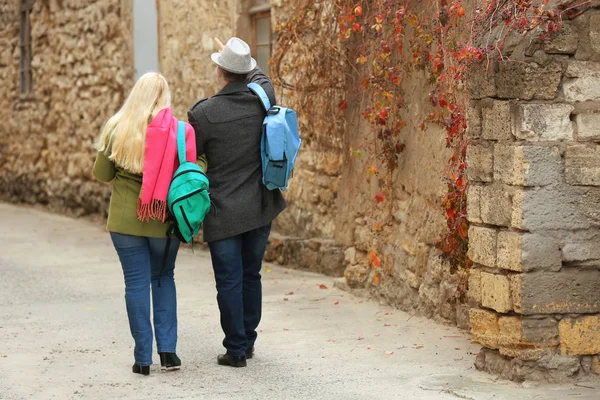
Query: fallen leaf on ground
(369, 347)
(322, 286)
(418, 347)
(336, 303)
(289, 294)
(387, 325)
(285, 329)
(388, 353)
(457, 348)
(378, 334)
(268, 270)
(361, 338)
(331, 341)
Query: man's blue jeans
(142, 260)
(237, 261)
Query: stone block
(560, 206)
(480, 162)
(582, 165)
(481, 82)
(543, 122)
(411, 279)
(516, 287)
(474, 293)
(527, 81)
(527, 165)
(474, 203)
(540, 331)
(579, 336)
(509, 166)
(518, 202)
(482, 245)
(496, 204)
(540, 253)
(350, 255)
(569, 291)
(584, 82)
(594, 34)
(588, 126)
(363, 238)
(581, 247)
(510, 330)
(565, 42)
(474, 120)
(436, 269)
(356, 275)
(496, 123)
(544, 165)
(485, 327)
(509, 253)
(495, 292)
(596, 365)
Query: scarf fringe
(157, 209)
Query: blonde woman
(137, 151)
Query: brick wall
(534, 205)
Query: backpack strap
(181, 141)
(262, 95)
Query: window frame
(25, 70)
(256, 13)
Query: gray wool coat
(228, 130)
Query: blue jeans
(142, 260)
(237, 261)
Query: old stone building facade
(534, 163)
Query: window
(261, 33)
(25, 44)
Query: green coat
(122, 212)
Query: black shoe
(141, 369)
(250, 353)
(169, 360)
(232, 361)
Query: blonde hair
(123, 137)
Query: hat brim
(215, 58)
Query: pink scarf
(160, 163)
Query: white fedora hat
(235, 57)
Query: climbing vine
(342, 52)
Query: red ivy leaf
(380, 197)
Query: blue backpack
(279, 143)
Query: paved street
(64, 332)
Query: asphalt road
(64, 332)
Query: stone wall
(81, 63)
(534, 205)
(186, 40)
(335, 222)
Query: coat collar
(233, 87)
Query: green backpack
(188, 199)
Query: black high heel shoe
(169, 360)
(141, 369)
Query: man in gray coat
(228, 131)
